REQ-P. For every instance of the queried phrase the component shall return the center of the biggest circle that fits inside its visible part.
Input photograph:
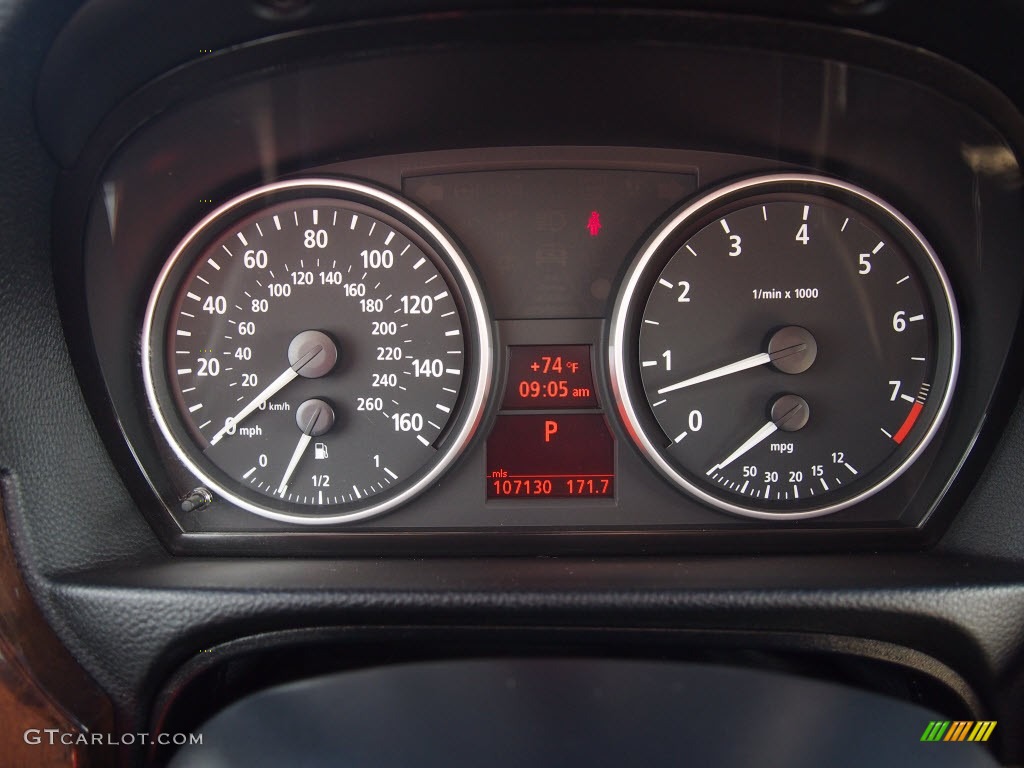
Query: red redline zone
(901, 435)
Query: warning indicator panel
(550, 456)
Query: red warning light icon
(594, 223)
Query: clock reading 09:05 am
(550, 376)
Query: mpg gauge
(317, 351)
(784, 346)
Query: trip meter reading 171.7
(784, 346)
(317, 351)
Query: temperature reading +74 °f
(550, 377)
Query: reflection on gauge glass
(317, 351)
(786, 345)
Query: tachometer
(317, 351)
(786, 345)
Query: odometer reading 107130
(317, 351)
(787, 345)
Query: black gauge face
(318, 351)
(787, 345)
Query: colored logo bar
(958, 730)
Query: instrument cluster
(319, 351)
(560, 343)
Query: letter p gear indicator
(551, 439)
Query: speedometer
(785, 346)
(317, 351)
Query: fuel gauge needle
(307, 435)
(296, 455)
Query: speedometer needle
(272, 389)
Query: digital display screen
(568, 229)
(569, 455)
(549, 377)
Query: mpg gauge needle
(768, 429)
(789, 413)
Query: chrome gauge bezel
(478, 333)
(631, 402)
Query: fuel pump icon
(320, 450)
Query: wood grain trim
(41, 684)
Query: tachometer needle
(796, 414)
(740, 365)
(792, 349)
(272, 389)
